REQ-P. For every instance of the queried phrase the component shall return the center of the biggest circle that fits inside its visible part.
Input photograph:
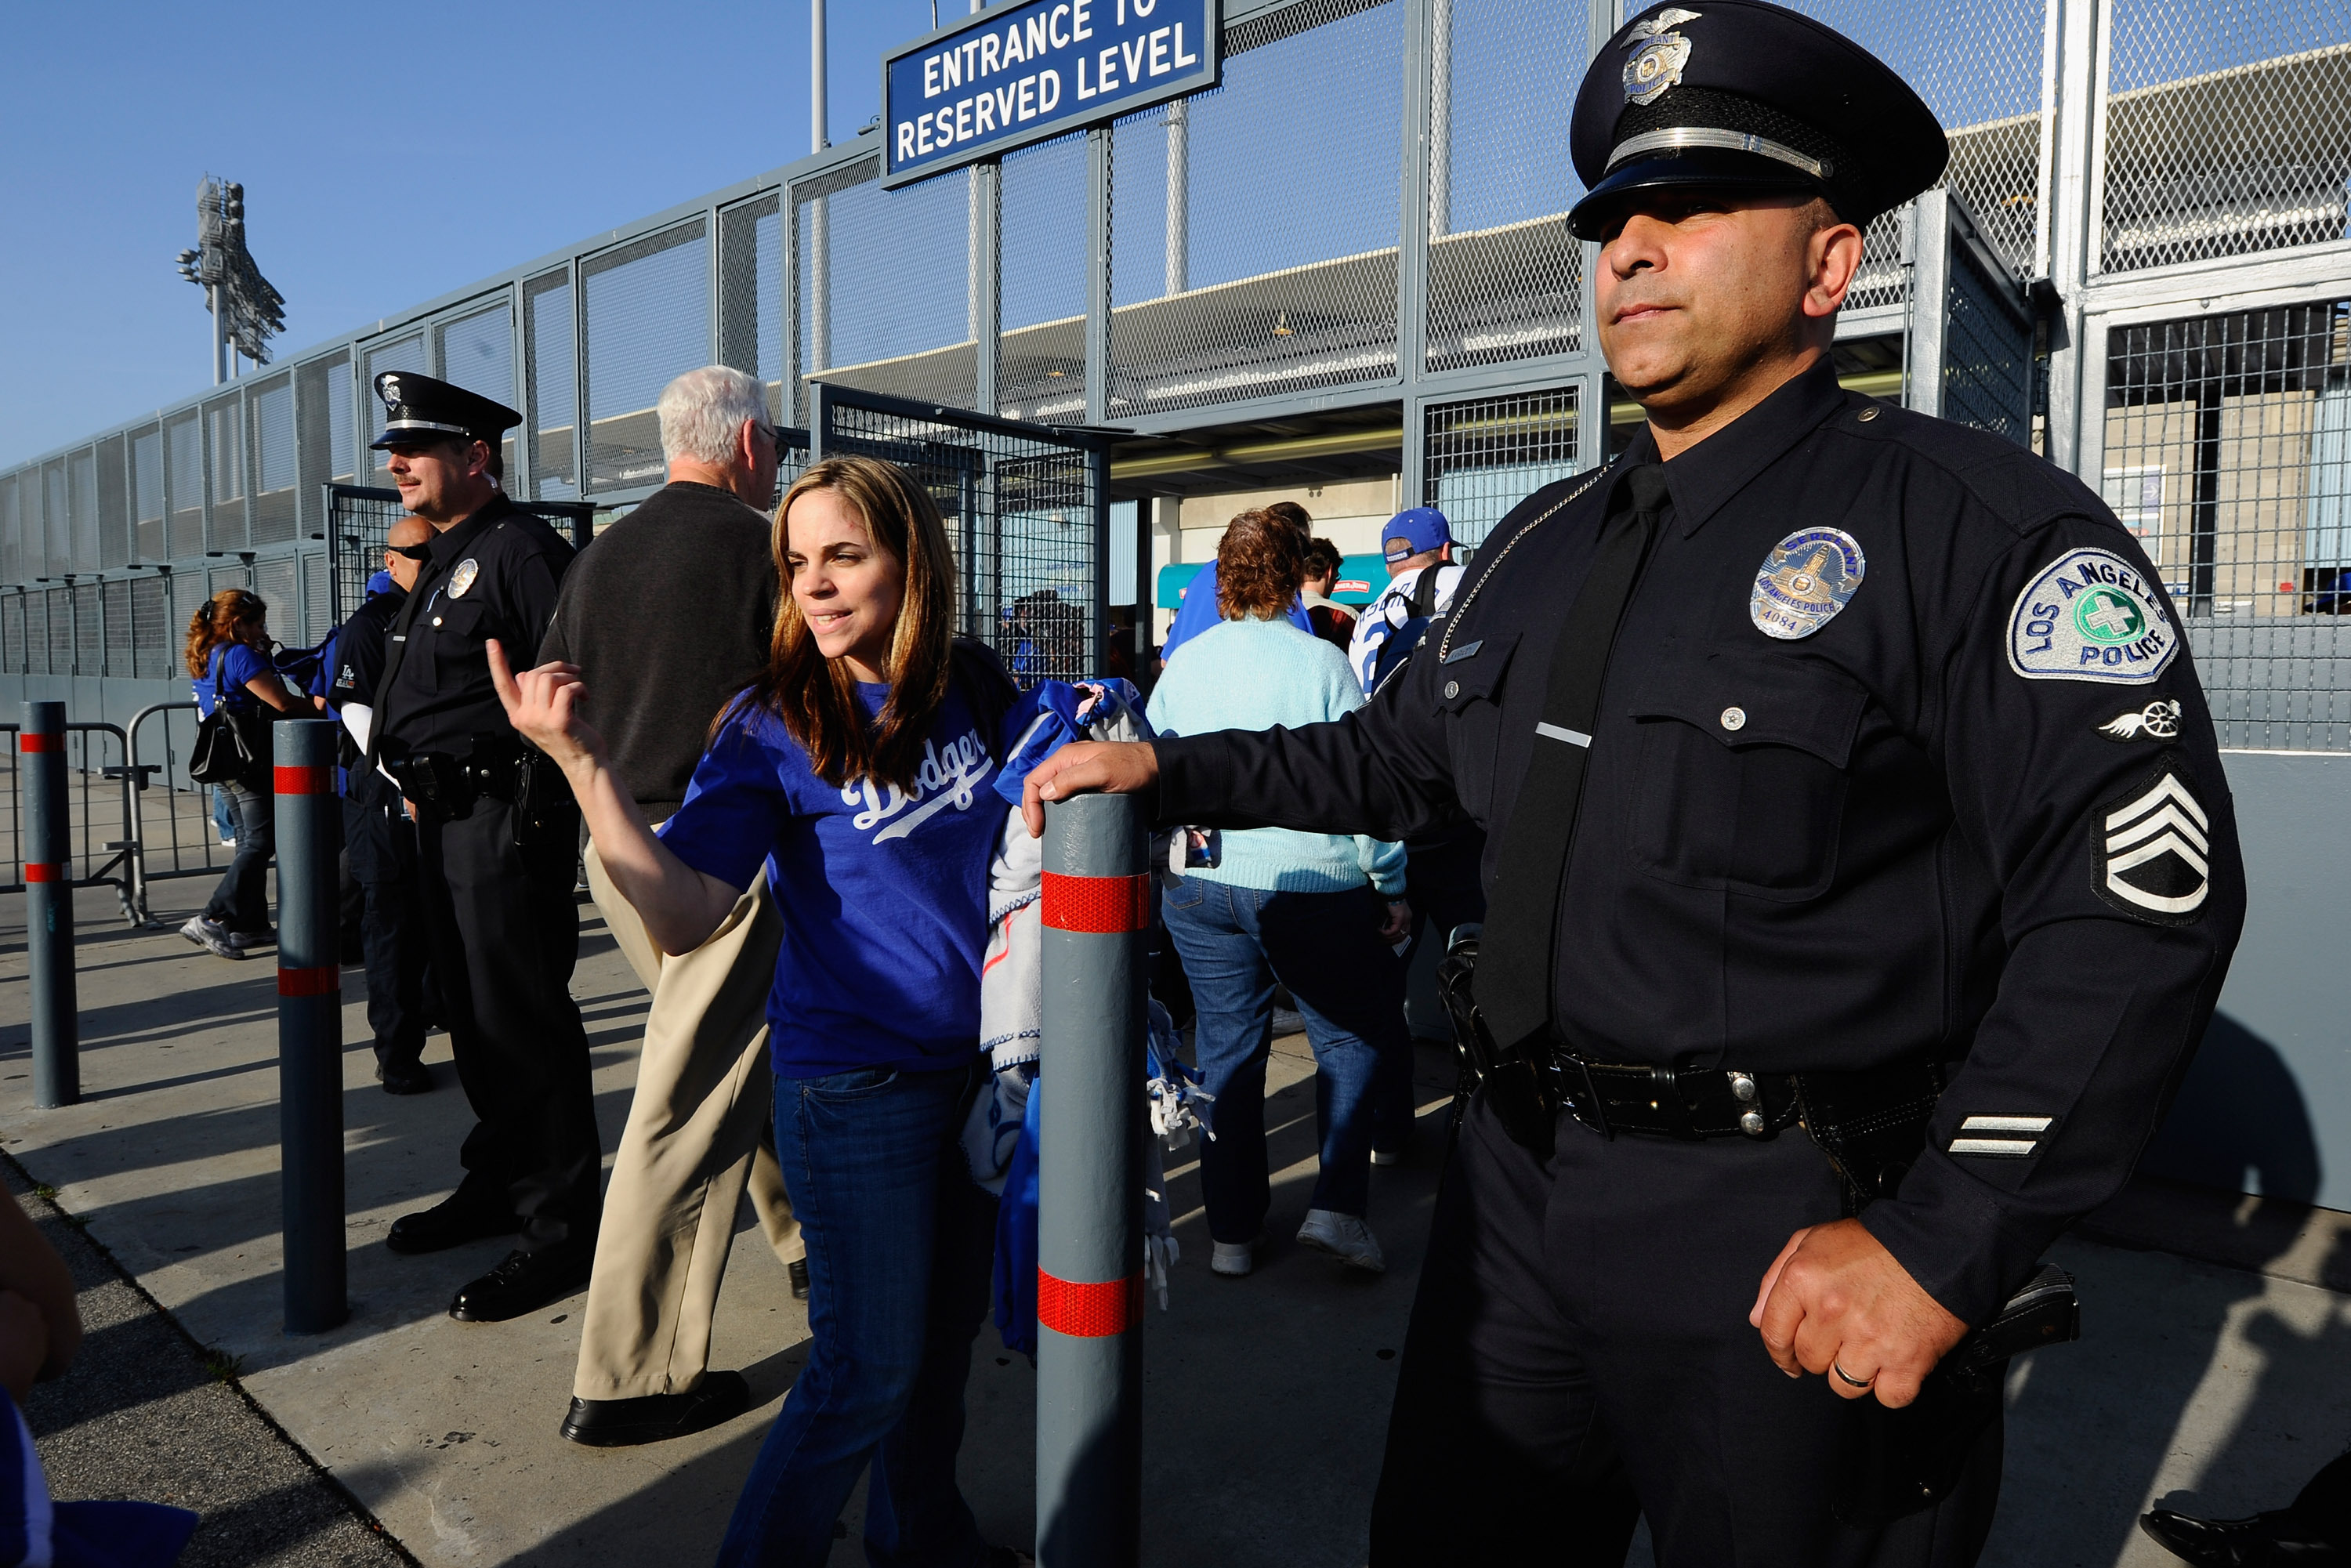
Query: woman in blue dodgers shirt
(228, 659)
(860, 764)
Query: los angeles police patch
(2149, 846)
(2089, 616)
(463, 578)
(1808, 577)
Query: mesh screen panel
(12, 634)
(58, 625)
(317, 599)
(185, 450)
(1505, 278)
(476, 352)
(400, 354)
(12, 534)
(2226, 453)
(1235, 274)
(153, 648)
(750, 294)
(1978, 65)
(275, 507)
(115, 604)
(360, 520)
(89, 648)
(1025, 519)
(1987, 355)
(324, 445)
(147, 495)
(648, 322)
(551, 376)
(82, 490)
(913, 338)
(113, 503)
(2227, 129)
(224, 463)
(1485, 455)
(56, 515)
(276, 580)
(1041, 370)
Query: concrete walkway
(2200, 1384)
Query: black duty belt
(1694, 1103)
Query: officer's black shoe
(657, 1417)
(449, 1223)
(525, 1282)
(2265, 1541)
(797, 1269)
(404, 1078)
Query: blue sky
(388, 153)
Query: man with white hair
(668, 617)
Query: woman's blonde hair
(232, 615)
(816, 697)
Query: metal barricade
(105, 820)
(179, 839)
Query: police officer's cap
(419, 410)
(1738, 93)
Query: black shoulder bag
(232, 747)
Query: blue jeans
(1325, 946)
(900, 1246)
(241, 902)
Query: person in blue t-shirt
(856, 772)
(228, 660)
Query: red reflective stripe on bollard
(1099, 905)
(32, 740)
(45, 870)
(310, 982)
(1089, 1312)
(305, 781)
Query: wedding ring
(1848, 1379)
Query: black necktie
(1514, 985)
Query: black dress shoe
(797, 1269)
(657, 1417)
(525, 1282)
(449, 1223)
(409, 1078)
(2264, 1541)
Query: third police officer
(1861, 873)
(498, 840)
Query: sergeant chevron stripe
(2151, 851)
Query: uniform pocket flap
(1471, 670)
(1744, 699)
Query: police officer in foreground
(378, 837)
(497, 843)
(1861, 872)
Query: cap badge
(388, 389)
(1806, 579)
(1656, 63)
(463, 578)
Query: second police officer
(1861, 873)
(498, 837)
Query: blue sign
(1018, 74)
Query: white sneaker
(1387, 1157)
(1233, 1259)
(212, 937)
(1345, 1237)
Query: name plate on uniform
(1017, 74)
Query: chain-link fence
(2226, 453)
(914, 337)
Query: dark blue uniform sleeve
(2086, 788)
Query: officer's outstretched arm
(2086, 786)
(680, 905)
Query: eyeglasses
(411, 552)
(775, 436)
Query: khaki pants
(697, 1134)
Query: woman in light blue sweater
(1314, 910)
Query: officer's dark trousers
(503, 930)
(383, 850)
(1580, 1354)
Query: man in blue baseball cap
(1415, 538)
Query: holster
(1520, 1085)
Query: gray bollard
(48, 907)
(309, 1024)
(1093, 1123)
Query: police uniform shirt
(1900, 757)
(493, 575)
(360, 644)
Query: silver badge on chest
(463, 578)
(1656, 63)
(1805, 581)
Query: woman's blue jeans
(1325, 946)
(900, 1245)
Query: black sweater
(667, 615)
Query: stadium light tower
(246, 312)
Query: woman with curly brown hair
(1279, 904)
(227, 656)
